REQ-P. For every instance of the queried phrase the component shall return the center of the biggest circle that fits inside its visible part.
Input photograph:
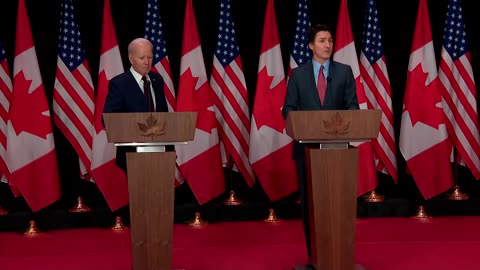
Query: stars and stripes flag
(110, 179)
(31, 156)
(269, 143)
(346, 53)
(458, 91)
(200, 160)
(301, 53)
(424, 139)
(377, 89)
(73, 94)
(161, 64)
(5, 96)
(231, 96)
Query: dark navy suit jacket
(125, 95)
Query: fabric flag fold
(373, 70)
(231, 96)
(199, 161)
(73, 93)
(458, 92)
(346, 53)
(269, 143)
(30, 155)
(424, 141)
(110, 179)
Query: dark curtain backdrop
(397, 19)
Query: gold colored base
(80, 207)
(118, 226)
(374, 197)
(32, 229)
(3, 212)
(422, 214)
(457, 195)
(197, 221)
(232, 199)
(272, 217)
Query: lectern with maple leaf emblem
(151, 178)
(332, 173)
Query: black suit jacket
(125, 95)
(302, 93)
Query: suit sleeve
(350, 98)
(114, 100)
(161, 100)
(291, 98)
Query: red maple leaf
(199, 100)
(27, 110)
(420, 99)
(269, 102)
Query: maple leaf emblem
(336, 125)
(268, 102)
(420, 99)
(29, 112)
(199, 100)
(152, 127)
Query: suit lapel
(310, 80)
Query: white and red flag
(270, 146)
(200, 161)
(73, 94)
(30, 156)
(346, 53)
(424, 141)
(110, 179)
(231, 96)
(373, 70)
(161, 64)
(458, 91)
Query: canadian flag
(345, 53)
(31, 154)
(199, 161)
(270, 146)
(110, 179)
(424, 141)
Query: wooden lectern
(151, 176)
(332, 169)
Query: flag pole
(457, 194)
(232, 198)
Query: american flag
(73, 96)
(231, 97)
(161, 64)
(300, 51)
(5, 97)
(458, 93)
(377, 89)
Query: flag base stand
(197, 221)
(3, 212)
(232, 199)
(118, 226)
(32, 229)
(80, 207)
(272, 217)
(457, 195)
(374, 197)
(422, 214)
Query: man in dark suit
(320, 84)
(136, 90)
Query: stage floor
(382, 244)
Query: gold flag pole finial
(80, 207)
(272, 217)
(197, 221)
(118, 226)
(32, 229)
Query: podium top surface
(333, 126)
(150, 128)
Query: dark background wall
(397, 19)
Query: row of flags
(439, 110)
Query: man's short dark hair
(317, 28)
